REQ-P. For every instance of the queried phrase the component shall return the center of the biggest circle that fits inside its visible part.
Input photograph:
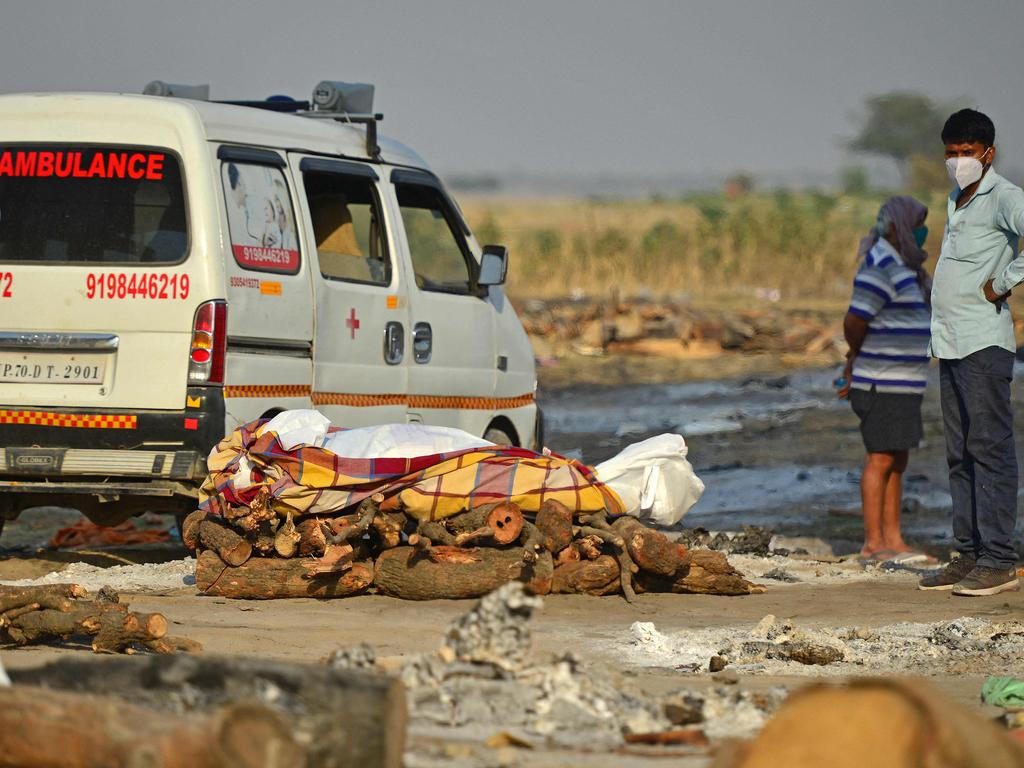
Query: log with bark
(229, 544)
(56, 729)
(704, 572)
(409, 574)
(41, 614)
(587, 577)
(312, 540)
(651, 550)
(286, 539)
(262, 578)
(554, 520)
(342, 718)
(501, 522)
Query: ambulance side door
(452, 360)
(360, 342)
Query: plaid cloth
(312, 480)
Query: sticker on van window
(261, 221)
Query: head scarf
(903, 214)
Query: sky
(549, 87)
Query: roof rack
(332, 100)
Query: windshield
(77, 204)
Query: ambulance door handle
(394, 343)
(422, 342)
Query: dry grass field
(797, 247)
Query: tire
(499, 437)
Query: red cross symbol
(353, 322)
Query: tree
(899, 125)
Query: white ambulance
(172, 268)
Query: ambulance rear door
(362, 321)
(270, 298)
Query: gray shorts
(888, 421)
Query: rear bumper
(57, 445)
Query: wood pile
(672, 328)
(200, 712)
(254, 553)
(41, 614)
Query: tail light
(209, 343)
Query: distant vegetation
(797, 246)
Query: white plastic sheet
(654, 479)
(386, 441)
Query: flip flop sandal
(881, 556)
(912, 558)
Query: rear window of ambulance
(95, 204)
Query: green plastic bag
(1006, 692)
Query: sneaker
(952, 574)
(987, 581)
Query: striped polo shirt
(894, 356)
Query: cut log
(403, 572)
(342, 717)
(435, 533)
(651, 551)
(190, 529)
(57, 597)
(705, 572)
(56, 729)
(266, 578)
(83, 618)
(504, 519)
(312, 540)
(225, 541)
(587, 577)
(337, 558)
(554, 520)
(532, 542)
(170, 645)
(568, 555)
(388, 526)
(589, 547)
(286, 539)
(597, 525)
(119, 631)
(262, 538)
(342, 530)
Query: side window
(439, 255)
(348, 228)
(260, 218)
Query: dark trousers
(978, 422)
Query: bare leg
(873, 484)
(891, 535)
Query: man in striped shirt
(887, 329)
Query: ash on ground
(777, 647)
(484, 681)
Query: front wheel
(499, 437)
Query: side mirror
(493, 265)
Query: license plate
(45, 368)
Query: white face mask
(964, 171)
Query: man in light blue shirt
(972, 335)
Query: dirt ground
(601, 632)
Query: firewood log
(651, 551)
(388, 526)
(190, 529)
(118, 631)
(286, 539)
(171, 645)
(262, 538)
(262, 578)
(365, 513)
(57, 597)
(554, 520)
(597, 525)
(589, 547)
(433, 532)
(83, 618)
(568, 555)
(502, 522)
(312, 540)
(226, 542)
(406, 573)
(705, 572)
(56, 729)
(587, 577)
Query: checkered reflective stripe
(365, 400)
(267, 390)
(70, 420)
